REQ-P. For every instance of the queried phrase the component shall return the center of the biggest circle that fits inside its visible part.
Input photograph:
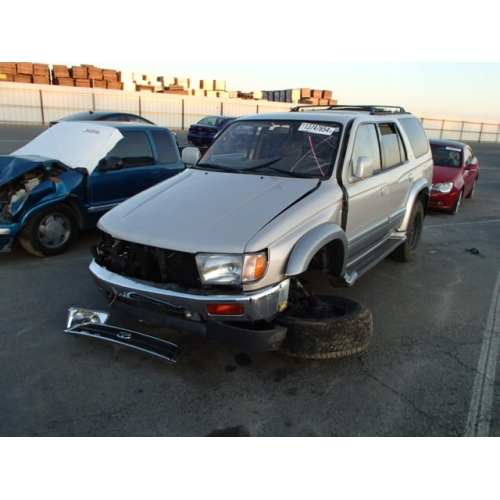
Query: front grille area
(156, 265)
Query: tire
(472, 192)
(347, 330)
(407, 251)
(49, 232)
(456, 208)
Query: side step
(365, 262)
(92, 324)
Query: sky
(435, 58)
(468, 90)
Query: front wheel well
(330, 259)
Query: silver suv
(220, 250)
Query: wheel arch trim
(310, 244)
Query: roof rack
(373, 109)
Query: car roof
(339, 114)
(445, 142)
(126, 125)
(84, 114)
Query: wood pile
(87, 76)
(25, 73)
(90, 76)
(301, 96)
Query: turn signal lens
(225, 309)
(254, 267)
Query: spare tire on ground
(337, 327)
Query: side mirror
(111, 163)
(363, 167)
(191, 156)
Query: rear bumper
(186, 311)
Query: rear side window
(167, 150)
(416, 133)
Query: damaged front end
(24, 182)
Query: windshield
(292, 148)
(446, 156)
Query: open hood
(191, 208)
(75, 144)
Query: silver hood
(192, 213)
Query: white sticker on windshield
(453, 149)
(314, 128)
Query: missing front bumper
(92, 324)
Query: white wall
(25, 103)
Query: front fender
(310, 244)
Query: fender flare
(420, 188)
(309, 245)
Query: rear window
(416, 133)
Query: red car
(456, 171)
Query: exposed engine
(20, 188)
(155, 265)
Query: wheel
(406, 251)
(455, 209)
(49, 232)
(472, 191)
(345, 330)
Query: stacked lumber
(90, 76)
(25, 72)
(86, 76)
(300, 96)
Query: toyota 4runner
(220, 250)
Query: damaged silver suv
(224, 249)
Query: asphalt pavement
(432, 368)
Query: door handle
(385, 191)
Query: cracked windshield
(295, 148)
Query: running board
(92, 324)
(364, 263)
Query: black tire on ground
(49, 232)
(472, 192)
(407, 251)
(346, 331)
(456, 208)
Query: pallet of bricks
(86, 76)
(23, 72)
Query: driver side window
(367, 144)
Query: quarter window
(167, 150)
(416, 133)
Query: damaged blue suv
(70, 175)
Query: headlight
(443, 187)
(221, 269)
